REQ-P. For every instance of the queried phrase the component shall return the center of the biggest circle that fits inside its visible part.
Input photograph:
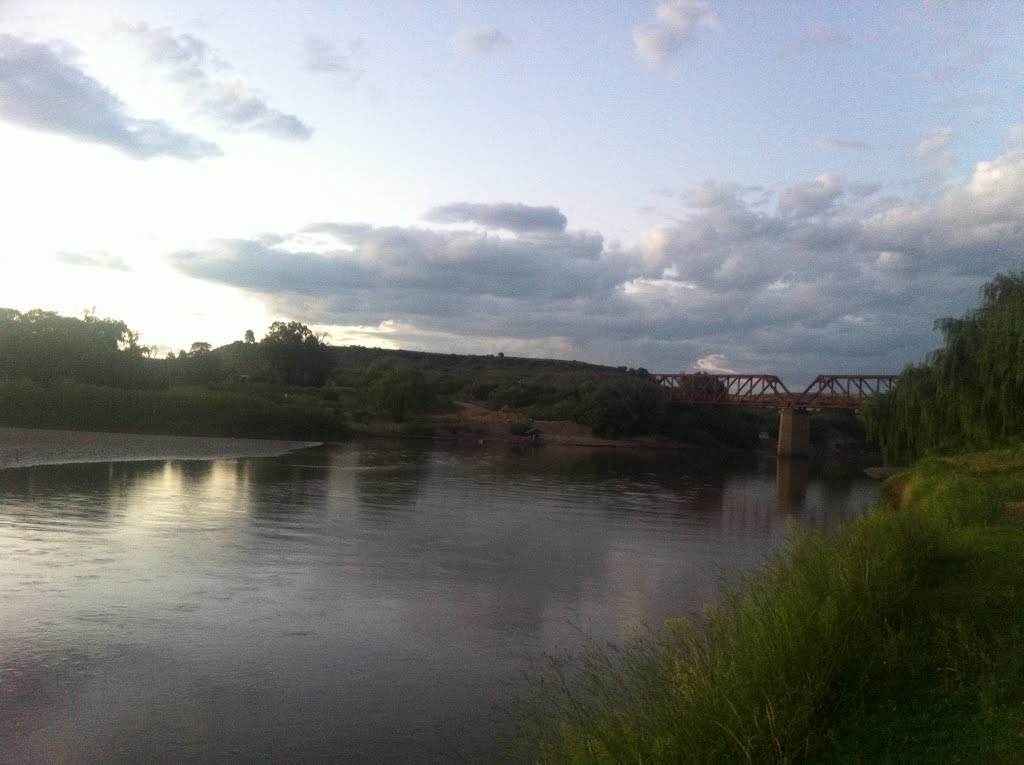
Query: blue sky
(783, 187)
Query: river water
(361, 603)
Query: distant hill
(91, 373)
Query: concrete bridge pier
(791, 482)
(794, 433)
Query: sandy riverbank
(24, 447)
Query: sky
(785, 187)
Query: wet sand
(24, 447)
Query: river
(368, 603)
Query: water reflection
(95, 493)
(791, 475)
(369, 602)
(390, 477)
(93, 479)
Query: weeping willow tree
(970, 393)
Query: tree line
(45, 346)
(292, 367)
(968, 394)
(42, 345)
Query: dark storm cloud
(416, 270)
(213, 85)
(42, 87)
(827, 280)
(519, 218)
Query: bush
(396, 389)
(626, 406)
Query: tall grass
(802, 646)
(761, 672)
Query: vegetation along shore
(92, 373)
(895, 639)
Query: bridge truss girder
(761, 390)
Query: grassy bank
(897, 639)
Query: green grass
(899, 638)
(950, 687)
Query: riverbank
(252, 414)
(896, 639)
(473, 423)
(26, 447)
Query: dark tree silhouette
(45, 346)
(969, 394)
(295, 354)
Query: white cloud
(677, 24)
(715, 363)
(842, 144)
(480, 41)
(815, 197)
(42, 87)
(212, 85)
(1015, 138)
(935, 149)
(323, 56)
(94, 260)
(893, 260)
(768, 288)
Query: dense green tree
(625, 406)
(397, 389)
(295, 354)
(250, 338)
(969, 394)
(200, 365)
(45, 346)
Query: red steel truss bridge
(768, 391)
